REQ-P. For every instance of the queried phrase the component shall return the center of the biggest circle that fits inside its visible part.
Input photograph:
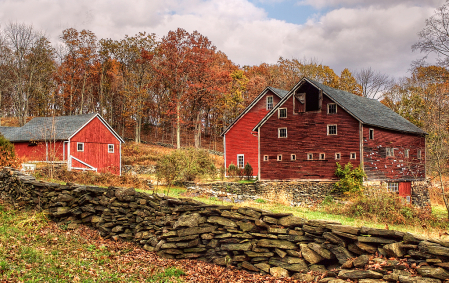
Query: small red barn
(240, 143)
(85, 142)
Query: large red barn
(85, 142)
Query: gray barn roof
(369, 111)
(49, 128)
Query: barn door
(405, 190)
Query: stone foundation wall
(139, 169)
(247, 238)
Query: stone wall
(139, 169)
(248, 238)
(420, 194)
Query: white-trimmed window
(282, 132)
(293, 157)
(322, 156)
(331, 108)
(371, 134)
(353, 155)
(309, 156)
(393, 187)
(337, 156)
(79, 146)
(279, 157)
(265, 158)
(110, 148)
(282, 113)
(389, 151)
(419, 153)
(269, 102)
(331, 129)
(407, 153)
(240, 160)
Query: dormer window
(269, 102)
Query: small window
(110, 148)
(337, 156)
(331, 108)
(322, 156)
(393, 187)
(241, 160)
(279, 157)
(331, 129)
(269, 102)
(309, 156)
(407, 153)
(282, 132)
(293, 157)
(282, 112)
(80, 146)
(265, 158)
(353, 155)
(389, 151)
(419, 153)
(371, 134)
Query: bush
(351, 180)
(7, 153)
(232, 170)
(248, 171)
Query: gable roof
(48, 128)
(366, 110)
(279, 92)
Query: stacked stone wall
(248, 238)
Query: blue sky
(352, 34)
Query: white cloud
(357, 36)
(320, 4)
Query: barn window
(337, 156)
(282, 132)
(80, 146)
(269, 102)
(353, 155)
(241, 160)
(265, 158)
(407, 153)
(371, 134)
(309, 156)
(279, 157)
(393, 187)
(389, 151)
(110, 148)
(331, 129)
(331, 108)
(293, 157)
(282, 113)
(419, 153)
(322, 156)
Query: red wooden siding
(241, 140)
(96, 137)
(307, 133)
(378, 166)
(405, 189)
(39, 152)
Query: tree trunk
(197, 134)
(178, 124)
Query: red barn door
(405, 189)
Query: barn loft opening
(308, 98)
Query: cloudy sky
(339, 33)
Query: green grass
(34, 249)
(246, 181)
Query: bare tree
(434, 38)
(374, 84)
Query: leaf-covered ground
(34, 249)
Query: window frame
(419, 154)
(279, 157)
(266, 158)
(109, 148)
(371, 134)
(338, 157)
(393, 187)
(389, 151)
(279, 133)
(293, 157)
(328, 129)
(351, 154)
(407, 153)
(328, 108)
(279, 113)
(322, 156)
(243, 160)
(268, 104)
(309, 156)
(78, 144)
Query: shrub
(248, 171)
(7, 153)
(232, 170)
(351, 180)
(260, 200)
